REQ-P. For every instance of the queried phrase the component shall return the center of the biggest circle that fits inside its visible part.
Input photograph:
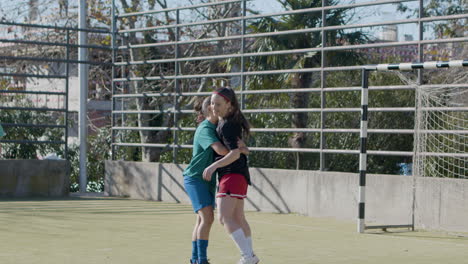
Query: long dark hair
(235, 115)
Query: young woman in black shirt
(233, 172)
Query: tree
(41, 12)
(168, 69)
(300, 60)
(434, 8)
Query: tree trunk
(299, 119)
(149, 154)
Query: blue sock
(194, 251)
(202, 248)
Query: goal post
(426, 155)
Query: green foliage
(29, 151)
(434, 8)
(98, 144)
(296, 80)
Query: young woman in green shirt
(201, 192)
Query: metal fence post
(113, 117)
(83, 77)
(67, 85)
(176, 88)
(323, 98)
(242, 51)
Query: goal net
(441, 131)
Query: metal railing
(64, 127)
(241, 18)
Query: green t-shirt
(2, 133)
(203, 154)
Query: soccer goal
(440, 138)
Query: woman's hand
(208, 172)
(232, 156)
(241, 143)
(242, 147)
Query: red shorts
(234, 185)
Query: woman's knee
(206, 215)
(221, 219)
(208, 219)
(226, 206)
(227, 218)
(224, 218)
(239, 215)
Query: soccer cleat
(205, 262)
(249, 260)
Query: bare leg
(226, 207)
(203, 233)
(194, 257)
(206, 216)
(195, 228)
(240, 218)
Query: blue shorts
(199, 193)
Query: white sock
(249, 243)
(242, 242)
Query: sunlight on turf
(118, 231)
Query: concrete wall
(23, 178)
(440, 203)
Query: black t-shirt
(229, 132)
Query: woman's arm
(232, 156)
(219, 148)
